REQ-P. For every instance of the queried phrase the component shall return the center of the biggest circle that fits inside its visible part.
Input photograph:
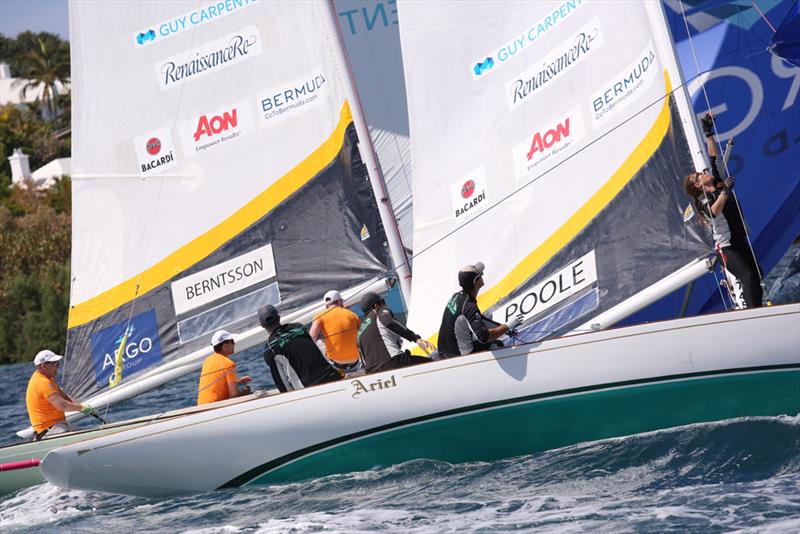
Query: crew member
(218, 379)
(712, 196)
(464, 328)
(292, 356)
(46, 401)
(380, 337)
(339, 327)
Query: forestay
(371, 36)
(548, 142)
(215, 171)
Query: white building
(11, 90)
(42, 177)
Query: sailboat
(562, 173)
(200, 197)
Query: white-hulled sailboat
(198, 196)
(549, 140)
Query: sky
(35, 15)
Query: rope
(763, 16)
(488, 211)
(719, 144)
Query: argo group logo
(469, 193)
(189, 20)
(133, 344)
(551, 141)
(216, 128)
(524, 40)
(155, 152)
(563, 58)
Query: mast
(396, 248)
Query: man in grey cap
(46, 401)
(464, 328)
(291, 355)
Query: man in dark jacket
(464, 328)
(381, 335)
(292, 356)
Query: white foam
(40, 505)
(224, 529)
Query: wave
(738, 474)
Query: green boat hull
(543, 422)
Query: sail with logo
(555, 130)
(215, 171)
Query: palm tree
(46, 67)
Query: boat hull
(481, 407)
(11, 481)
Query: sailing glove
(708, 125)
(88, 410)
(727, 185)
(514, 323)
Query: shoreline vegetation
(35, 225)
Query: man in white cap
(218, 379)
(339, 327)
(464, 328)
(46, 401)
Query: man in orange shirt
(46, 401)
(339, 327)
(218, 379)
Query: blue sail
(756, 97)
(786, 41)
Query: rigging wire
(149, 235)
(763, 16)
(393, 271)
(719, 144)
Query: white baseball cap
(45, 356)
(332, 296)
(221, 336)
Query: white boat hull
(480, 407)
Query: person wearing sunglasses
(46, 401)
(218, 380)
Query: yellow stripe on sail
(205, 244)
(578, 221)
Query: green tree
(46, 66)
(33, 313)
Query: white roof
(44, 176)
(11, 91)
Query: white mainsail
(548, 143)
(215, 170)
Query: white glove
(515, 322)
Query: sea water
(735, 475)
